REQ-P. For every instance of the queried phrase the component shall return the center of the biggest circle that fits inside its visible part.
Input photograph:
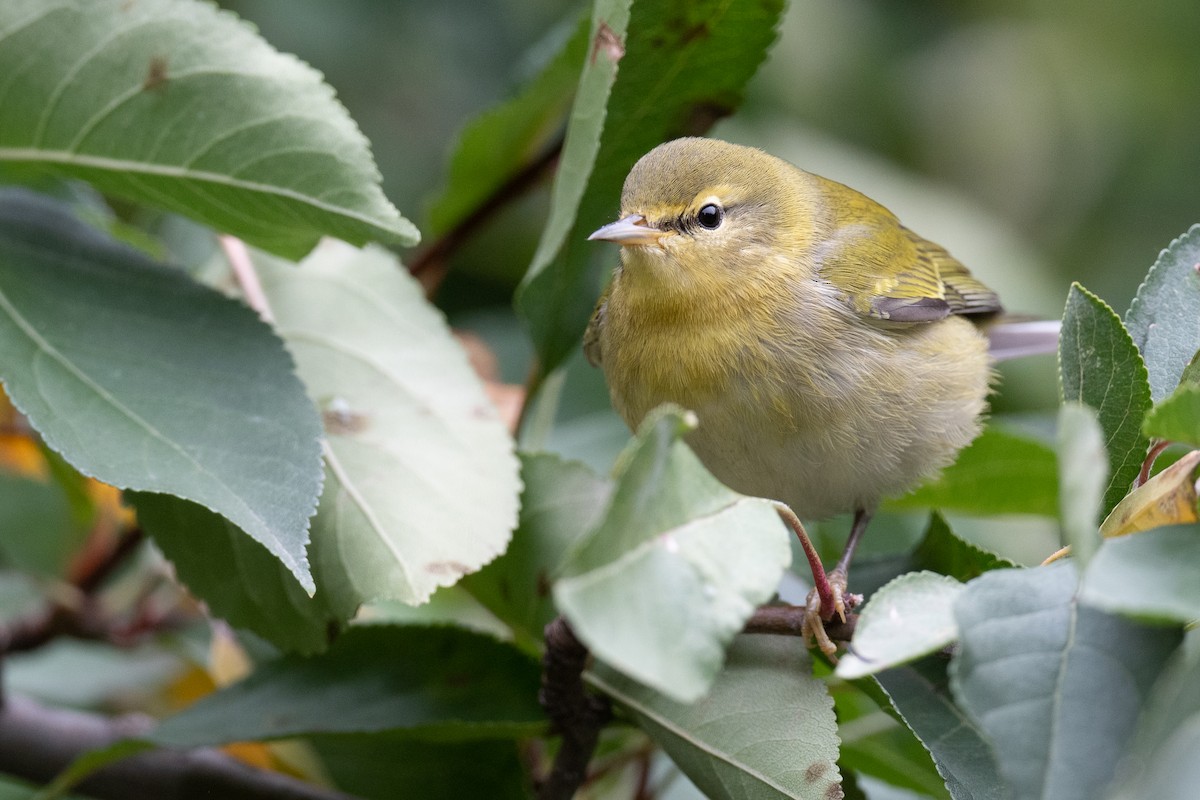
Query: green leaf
(682, 66)
(943, 552)
(146, 380)
(998, 473)
(961, 752)
(1164, 319)
(908, 618)
(765, 731)
(1154, 574)
(444, 682)
(389, 766)
(1162, 761)
(1177, 418)
(1099, 366)
(38, 533)
(676, 567)
(1056, 686)
(176, 104)
(421, 482)
(236, 577)
(563, 500)
(1082, 476)
(501, 142)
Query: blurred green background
(1041, 141)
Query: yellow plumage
(822, 345)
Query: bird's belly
(866, 431)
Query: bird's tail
(1010, 338)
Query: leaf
(1162, 757)
(501, 142)
(908, 618)
(675, 568)
(1056, 686)
(943, 552)
(1177, 418)
(998, 473)
(962, 754)
(146, 380)
(1099, 366)
(448, 682)
(1169, 498)
(1082, 476)
(682, 66)
(765, 731)
(1155, 574)
(421, 481)
(236, 577)
(388, 766)
(37, 531)
(176, 104)
(563, 500)
(1164, 319)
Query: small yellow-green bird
(831, 355)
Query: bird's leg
(823, 594)
(828, 596)
(841, 571)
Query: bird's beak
(632, 229)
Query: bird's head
(702, 210)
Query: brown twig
(783, 620)
(576, 714)
(431, 263)
(1152, 455)
(37, 743)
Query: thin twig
(1152, 455)
(246, 276)
(431, 264)
(784, 620)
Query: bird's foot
(816, 613)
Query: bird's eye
(710, 216)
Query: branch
(784, 620)
(577, 714)
(36, 743)
(431, 264)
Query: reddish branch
(430, 264)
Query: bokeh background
(1041, 141)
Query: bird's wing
(887, 272)
(591, 337)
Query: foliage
(302, 442)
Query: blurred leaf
(1191, 373)
(562, 501)
(37, 531)
(1169, 498)
(498, 144)
(963, 755)
(765, 731)
(444, 682)
(236, 577)
(179, 105)
(682, 66)
(1082, 477)
(1053, 684)
(1164, 319)
(388, 766)
(675, 568)
(1162, 761)
(1100, 367)
(998, 473)
(908, 618)
(146, 380)
(1177, 418)
(421, 481)
(943, 552)
(1155, 574)
(19, 595)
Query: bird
(832, 356)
